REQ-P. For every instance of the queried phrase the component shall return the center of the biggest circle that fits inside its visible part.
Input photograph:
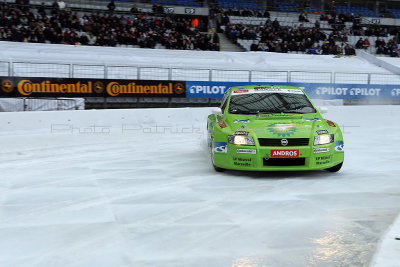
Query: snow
(65, 54)
(136, 188)
(388, 252)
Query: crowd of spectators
(23, 23)
(275, 38)
(389, 48)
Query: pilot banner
(65, 87)
(313, 90)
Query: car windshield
(267, 103)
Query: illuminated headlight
(241, 140)
(323, 139)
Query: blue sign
(313, 90)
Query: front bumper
(261, 158)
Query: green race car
(272, 128)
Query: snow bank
(388, 252)
(25, 52)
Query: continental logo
(26, 87)
(114, 88)
(7, 86)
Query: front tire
(335, 168)
(218, 169)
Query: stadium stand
(41, 25)
(296, 28)
(394, 12)
(187, 3)
(362, 11)
(288, 7)
(239, 4)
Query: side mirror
(216, 111)
(323, 110)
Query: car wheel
(218, 169)
(335, 168)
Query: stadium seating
(188, 3)
(287, 7)
(362, 11)
(312, 10)
(395, 12)
(239, 4)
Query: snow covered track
(135, 188)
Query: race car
(272, 128)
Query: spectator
(360, 43)
(366, 43)
(311, 50)
(42, 9)
(348, 51)
(111, 7)
(379, 42)
(134, 10)
(266, 14)
(380, 50)
(254, 46)
(318, 51)
(55, 8)
(275, 23)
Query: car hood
(277, 125)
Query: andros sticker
(339, 145)
(221, 147)
(285, 153)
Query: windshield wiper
(293, 112)
(243, 111)
(271, 111)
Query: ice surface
(139, 190)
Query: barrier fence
(40, 104)
(168, 89)
(106, 86)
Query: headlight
(241, 140)
(323, 139)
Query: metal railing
(137, 72)
(42, 104)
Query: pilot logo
(284, 142)
(98, 87)
(282, 129)
(179, 88)
(7, 86)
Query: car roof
(263, 86)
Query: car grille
(277, 141)
(284, 161)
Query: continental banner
(70, 87)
